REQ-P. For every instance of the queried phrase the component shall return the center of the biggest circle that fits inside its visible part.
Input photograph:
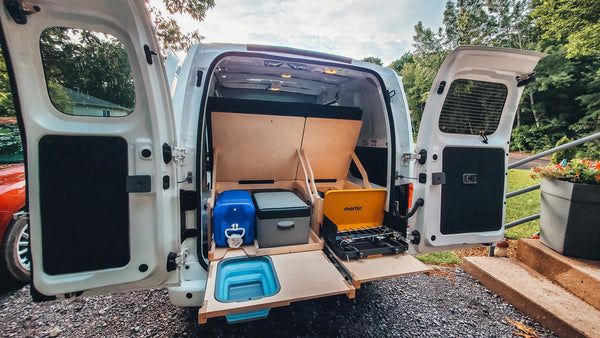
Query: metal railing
(518, 163)
(592, 137)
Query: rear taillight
(410, 195)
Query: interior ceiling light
(297, 66)
(330, 71)
(271, 63)
(286, 76)
(275, 87)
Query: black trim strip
(201, 119)
(256, 181)
(299, 52)
(283, 213)
(264, 107)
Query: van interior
(319, 132)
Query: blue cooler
(234, 207)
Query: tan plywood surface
(256, 147)
(302, 276)
(382, 267)
(328, 144)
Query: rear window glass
(87, 73)
(472, 107)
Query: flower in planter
(575, 171)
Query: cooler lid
(279, 204)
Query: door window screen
(472, 107)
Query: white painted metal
(154, 220)
(476, 63)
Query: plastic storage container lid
(279, 204)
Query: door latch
(18, 10)
(175, 260)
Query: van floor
(447, 303)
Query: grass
(517, 207)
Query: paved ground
(447, 304)
(515, 156)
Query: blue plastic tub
(234, 207)
(242, 279)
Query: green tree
(169, 31)
(374, 60)
(399, 64)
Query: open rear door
(463, 144)
(95, 107)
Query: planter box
(570, 218)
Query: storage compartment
(234, 214)
(242, 279)
(282, 218)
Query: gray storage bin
(282, 218)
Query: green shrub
(567, 154)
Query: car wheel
(15, 250)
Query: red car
(14, 233)
(14, 258)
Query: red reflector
(410, 195)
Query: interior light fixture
(274, 87)
(330, 71)
(286, 76)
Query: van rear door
(463, 143)
(101, 182)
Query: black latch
(171, 262)
(438, 178)
(167, 153)
(166, 182)
(441, 86)
(422, 156)
(149, 53)
(18, 11)
(139, 183)
(416, 237)
(189, 200)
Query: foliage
(373, 60)
(11, 148)
(169, 31)
(567, 154)
(564, 100)
(88, 62)
(522, 205)
(575, 171)
(444, 257)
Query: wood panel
(302, 276)
(381, 267)
(328, 144)
(256, 147)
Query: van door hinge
(179, 154)
(421, 157)
(175, 260)
(18, 10)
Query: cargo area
(298, 169)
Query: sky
(353, 28)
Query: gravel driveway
(447, 304)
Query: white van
(124, 203)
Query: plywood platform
(314, 243)
(302, 276)
(381, 267)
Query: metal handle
(285, 225)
